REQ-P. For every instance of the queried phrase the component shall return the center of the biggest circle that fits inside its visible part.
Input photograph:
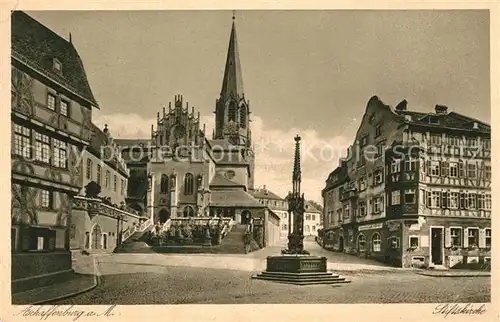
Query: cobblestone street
(177, 279)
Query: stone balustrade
(199, 221)
(96, 206)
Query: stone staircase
(134, 242)
(233, 243)
(302, 278)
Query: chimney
(402, 106)
(441, 109)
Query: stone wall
(36, 269)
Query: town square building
(51, 124)
(312, 220)
(100, 219)
(277, 205)
(414, 189)
(56, 152)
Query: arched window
(243, 117)
(89, 169)
(188, 211)
(164, 184)
(361, 242)
(188, 184)
(231, 112)
(376, 241)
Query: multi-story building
(312, 216)
(104, 167)
(414, 189)
(276, 204)
(312, 220)
(51, 124)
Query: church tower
(232, 110)
(232, 114)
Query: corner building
(414, 189)
(51, 112)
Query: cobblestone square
(195, 279)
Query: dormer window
(56, 65)
(433, 119)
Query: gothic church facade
(190, 174)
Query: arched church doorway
(164, 215)
(96, 237)
(188, 211)
(245, 217)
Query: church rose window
(230, 174)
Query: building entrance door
(164, 215)
(437, 246)
(96, 237)
(341, 244)
(245, 217)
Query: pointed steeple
(232, 83)
(296, 177)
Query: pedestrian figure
(246, 241)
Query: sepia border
(247, 312)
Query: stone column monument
(295, 265)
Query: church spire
(232, 84)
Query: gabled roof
(37, 46)
(310, 208)
(220, 180)
(233, 198)
(451, 120)
(101, 139)
(265, 194)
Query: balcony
(349, 194)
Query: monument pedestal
(298, 270)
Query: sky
(305, 72)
